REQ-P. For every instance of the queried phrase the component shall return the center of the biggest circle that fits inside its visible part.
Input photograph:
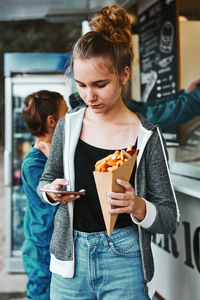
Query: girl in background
(42, 110)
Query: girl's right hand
(56, 185)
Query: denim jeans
(106, 268)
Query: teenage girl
(86, 263)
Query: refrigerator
(24, 73)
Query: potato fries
(114, 161)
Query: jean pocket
(127, 247)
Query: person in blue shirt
(169, 112)
(42, 110)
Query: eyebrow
(94, 82)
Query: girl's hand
(127, 202)
(56, 185)
(193, 85)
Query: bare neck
(115, 114)
(113, 130)
(47, 139)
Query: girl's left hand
(127, 202)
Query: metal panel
(8, 164)
(35, 62)
(65, 10)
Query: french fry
(115, 155)
(113, 161)
(126, 154)
(103, 159)
(129, 148)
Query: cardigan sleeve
(159, 189)
(54, 165)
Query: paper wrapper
(106, 182)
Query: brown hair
(111, 37)
(37, 107)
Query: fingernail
(71, 196)
(108, 211)
(108, 194)
(118, 181)
(109, 200)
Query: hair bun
(114, 22)
(110, 37)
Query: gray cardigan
(152, 183)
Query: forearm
(170, 112)
(173, 112)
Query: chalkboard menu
(158, 50)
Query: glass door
(18, 143)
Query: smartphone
(61, 192)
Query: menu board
(158, 50)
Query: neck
(47, 138)
(116, 113)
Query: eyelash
(98, 86)
(102, 85)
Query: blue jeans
(106, 268)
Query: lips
(96, 106)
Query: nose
(91, 95)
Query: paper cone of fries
(106, 182)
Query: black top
(88, 216)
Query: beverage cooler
(24, 73)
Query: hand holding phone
(57, 191)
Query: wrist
(140, 212)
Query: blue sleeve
(172, 111)
(31, 175)
(39, 216)
(32, 169)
